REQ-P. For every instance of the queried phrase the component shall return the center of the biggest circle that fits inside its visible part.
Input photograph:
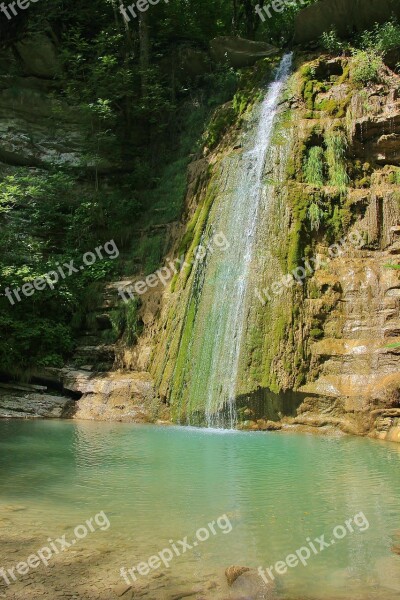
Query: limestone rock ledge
(114, 396)
(20, 405)
(107, 396)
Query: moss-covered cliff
(330, 222)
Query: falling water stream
(221, 285)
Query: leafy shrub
(366, 66)
(331, 42)
(382, 38)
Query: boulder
(38, 56)
(346, 16)
(238, 52)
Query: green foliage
(336, 149)
(42, 226)
(366, 66)
(314, 166)
(368, 51)
(222, 120)
(394, 177)
(331, 42)
(150, 252)
(280, 27)
(222, 84)
(125, 322)
(381, 38)
(315, 215)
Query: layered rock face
(331, 335)
(339, 325)
(357, 361)
(27, 402)
(357, 370)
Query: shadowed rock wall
(347, 16)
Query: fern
(336, 148)
(314, 166)
(315, 215)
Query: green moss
(394, 176)
(272, 343)
(181, 359)
(296, 161)
(298, 199)
(310, 87)
(336, 149)
(252, 84)
(316, 333)
(334, 108)
(309, 95)
(346, 74)
(223, 118)
(197, 233)
(125, 322)
(313, 291)
(192, 237)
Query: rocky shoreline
(130, 398)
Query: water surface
(160, 484)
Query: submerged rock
(233, 572)
(246, 583)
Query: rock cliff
(346, 16)
(324, 351)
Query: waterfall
(218, 303)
